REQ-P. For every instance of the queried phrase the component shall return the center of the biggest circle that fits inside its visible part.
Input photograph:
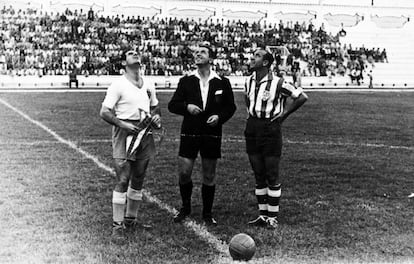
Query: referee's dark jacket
(220, 101)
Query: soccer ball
(242, 247)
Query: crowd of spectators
(34, 42)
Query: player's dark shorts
(145, 150)
(263, 137)
(209, 146)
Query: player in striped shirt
(265, 96)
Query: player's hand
(213, 120)
(193, 109)
(130, 128)
(156, 120)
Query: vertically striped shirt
(266, 98)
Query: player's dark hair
(123, 55)
(269, 57)
(207, 45)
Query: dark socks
(207, 193)
(186, 191)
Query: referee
(206, 102)
(265, 96)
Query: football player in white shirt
(128, 104)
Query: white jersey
(128, 101)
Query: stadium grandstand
(326, 42)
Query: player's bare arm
(108, 115)
(156, 115)
(155, 110)
(295, 105)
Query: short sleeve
(290, 90)
(111, 98)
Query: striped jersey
(266, 98)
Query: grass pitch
(347, 169)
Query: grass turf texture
(341, 202)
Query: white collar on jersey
(212, 75)
(266, 78)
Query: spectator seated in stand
(41, 43)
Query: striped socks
(268, 200)
(273, 197)
(261, 195)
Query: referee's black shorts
(263, 137)
(209, 146)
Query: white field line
(350, 144)
(234, 139)
(327, 143)
(31, 143)
(198, 229)
(101, 90)
(51, 90)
